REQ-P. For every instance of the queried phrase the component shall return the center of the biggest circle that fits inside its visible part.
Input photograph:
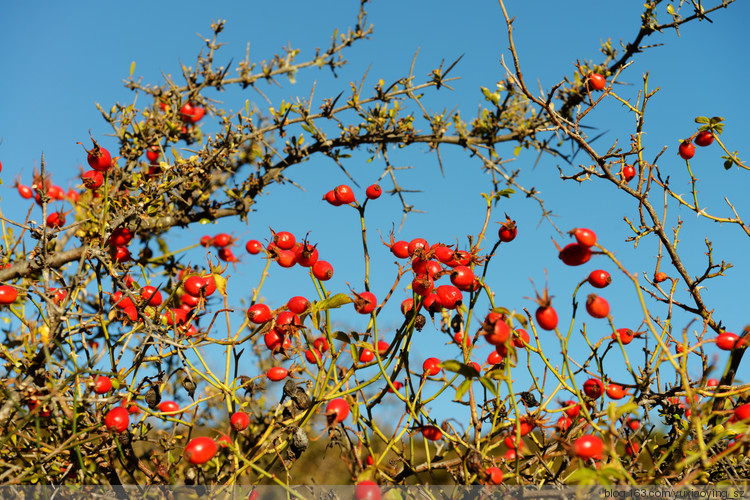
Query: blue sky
(60, 60)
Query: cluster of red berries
(288, 252)
(344, 195)
(192, 291)
(223, 243)
(687, 149)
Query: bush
(138, 351)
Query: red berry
(397, 385)
(175, 316)
(298, 305)
(344, 194)
(277, 373)
(597, 306)
(117, 419)
(191, 113)
(593, 388)
(222, 240)
(727, 341)
(588, 446)
(92, 179)
(525, 426)
(422, 285)
(599, 278)
(253, 247)
(494, 475)
(274, 340)
(495, 357)
(200, 285)
(585, 237)
(431, 366)
(499, 334)
(616, 391)
(632, 449)
(449, 296)
(462, 276)
(432, 303)
(406, 306)
(8, 295)
(152, 153)
(322, 270)
(120, 237)
(626, 335)
(313, 356)
(383, 347)
(704, 138)
(575, 254)
(686, 150)
(284, 240)
(628, 172)
(102, 384)
(546, 317)
(200, 450)
(596, 81)
(152, 295)
(285, 258)
(742, 413)
(366, 490)
(321, 344)
(56, 220)
(25, 191)
(306, 254)
(400, 249)
(120, 254)
(428, 267)
(169, 407)
(98, 158)
(227, 255)
(365, 302)
(259, 313)
(373, 192)
(508, 230)
(366, 355)
(337, 410)
(330, 197)
(240, 421)
(519, 337)
(563, 423)
(432, 433)
(572, 409)
(418, 244)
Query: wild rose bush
(123, 364)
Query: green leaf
(701, 119)
(517, 151)
(728, 164)
(221, 284)
(454, 366)
(315, 317)
(489, 385)
(341, 336)
(334, 302)
(462, 389)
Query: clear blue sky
(61, 58)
